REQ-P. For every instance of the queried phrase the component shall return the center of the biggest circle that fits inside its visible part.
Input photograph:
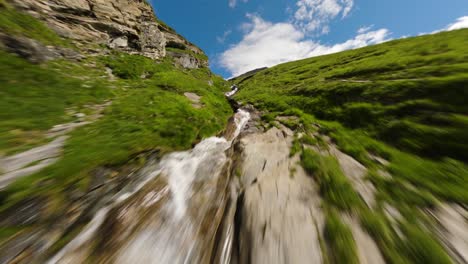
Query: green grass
(339, 238)
(146, 114)
(128, 66)
(403, 101)
(334, 185)
(380, 229)
(416, 246)
(444, 179)
(34, 98)
(149, 113)
(414, 97)
(13, 22)
(422, 248)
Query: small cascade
(172, 216)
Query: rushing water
(233, 92)
(172, 216)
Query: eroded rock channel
(242, 197)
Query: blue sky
(241, 35)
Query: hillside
(400, 110)
(119, 145)
(90, 104)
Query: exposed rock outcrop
(34, 51)
(281, 215)
(125, 25)
(185, 60)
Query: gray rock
(80, 115)
(129, 26)
(185, 60)
(26, 48)
(280, 212)
(120, 42)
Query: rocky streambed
(239, 198)
(242, 197)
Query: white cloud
(233, 3)
(365, 29)
(222, 39)
(462, 22)
(315, 15)
(269, 44)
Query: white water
(174, 239)
(170, 234)
(231, 93)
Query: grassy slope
(13, 22)
(404, 101)
(146, 113)
(411, 110)
(410, 93)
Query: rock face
(125, 25)
(34, 51)
(280, 214)
(185, 60)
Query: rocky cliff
(125, 25)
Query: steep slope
(89, 96)
(382, 131)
